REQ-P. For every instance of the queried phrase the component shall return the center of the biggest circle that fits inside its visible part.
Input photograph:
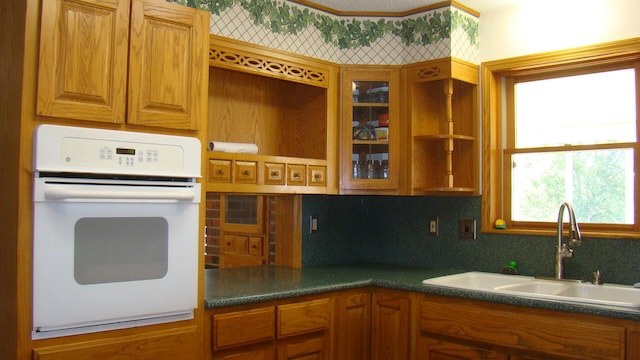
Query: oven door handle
(175, 194)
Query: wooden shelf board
(436, 137)
(457, 189)
(369, 104)
(370, 142)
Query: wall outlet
(433, 226)
(467, 229)
(313, 224)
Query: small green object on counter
(511, 269)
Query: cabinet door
(83, 59)
(168, 67)
(352, 326)
(434, 349)
(390, 326)
(371, 131)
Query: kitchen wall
(537, 26)
(393, 229)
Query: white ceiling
(405, 5)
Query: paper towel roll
(232, 147)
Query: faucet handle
(597, 277)
(565, 251)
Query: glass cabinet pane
(370, 125)
(371, 130)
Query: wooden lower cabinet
(386, 324)
(283, 330)
(178, 343)
(390, 329)
(351, 325)
(455, 328)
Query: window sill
(547, 232)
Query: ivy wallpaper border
(281, 18)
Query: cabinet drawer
(304, 317)
(228, 243)
(255, 246)
(235, 244)
(296, 174)
(245, 172)
(219, 171)
(255, 352)
(179, 343)
(317, 175)
(273, 174)
(243, 327)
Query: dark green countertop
(238, 286)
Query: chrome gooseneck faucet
(562, 249)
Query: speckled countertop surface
(237, 286)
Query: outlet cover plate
(432, 224)
(467, 229)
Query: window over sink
(563, 126)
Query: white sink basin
(607, 294)
(478, 280)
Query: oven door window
(113, 249)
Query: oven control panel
(118, 154)
(85, 150)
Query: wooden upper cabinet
(371, 130)
(84, 49)
(83, 59)
(168, 65)
(442, 105)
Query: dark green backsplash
(393, 230)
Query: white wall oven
(115, 229)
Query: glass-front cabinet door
(370, 130)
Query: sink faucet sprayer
(562, 250)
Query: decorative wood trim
(418, 10)
(245, 60)
(445, 68)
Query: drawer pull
(295, 175)
(246, 173)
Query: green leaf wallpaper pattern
(282, 18)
